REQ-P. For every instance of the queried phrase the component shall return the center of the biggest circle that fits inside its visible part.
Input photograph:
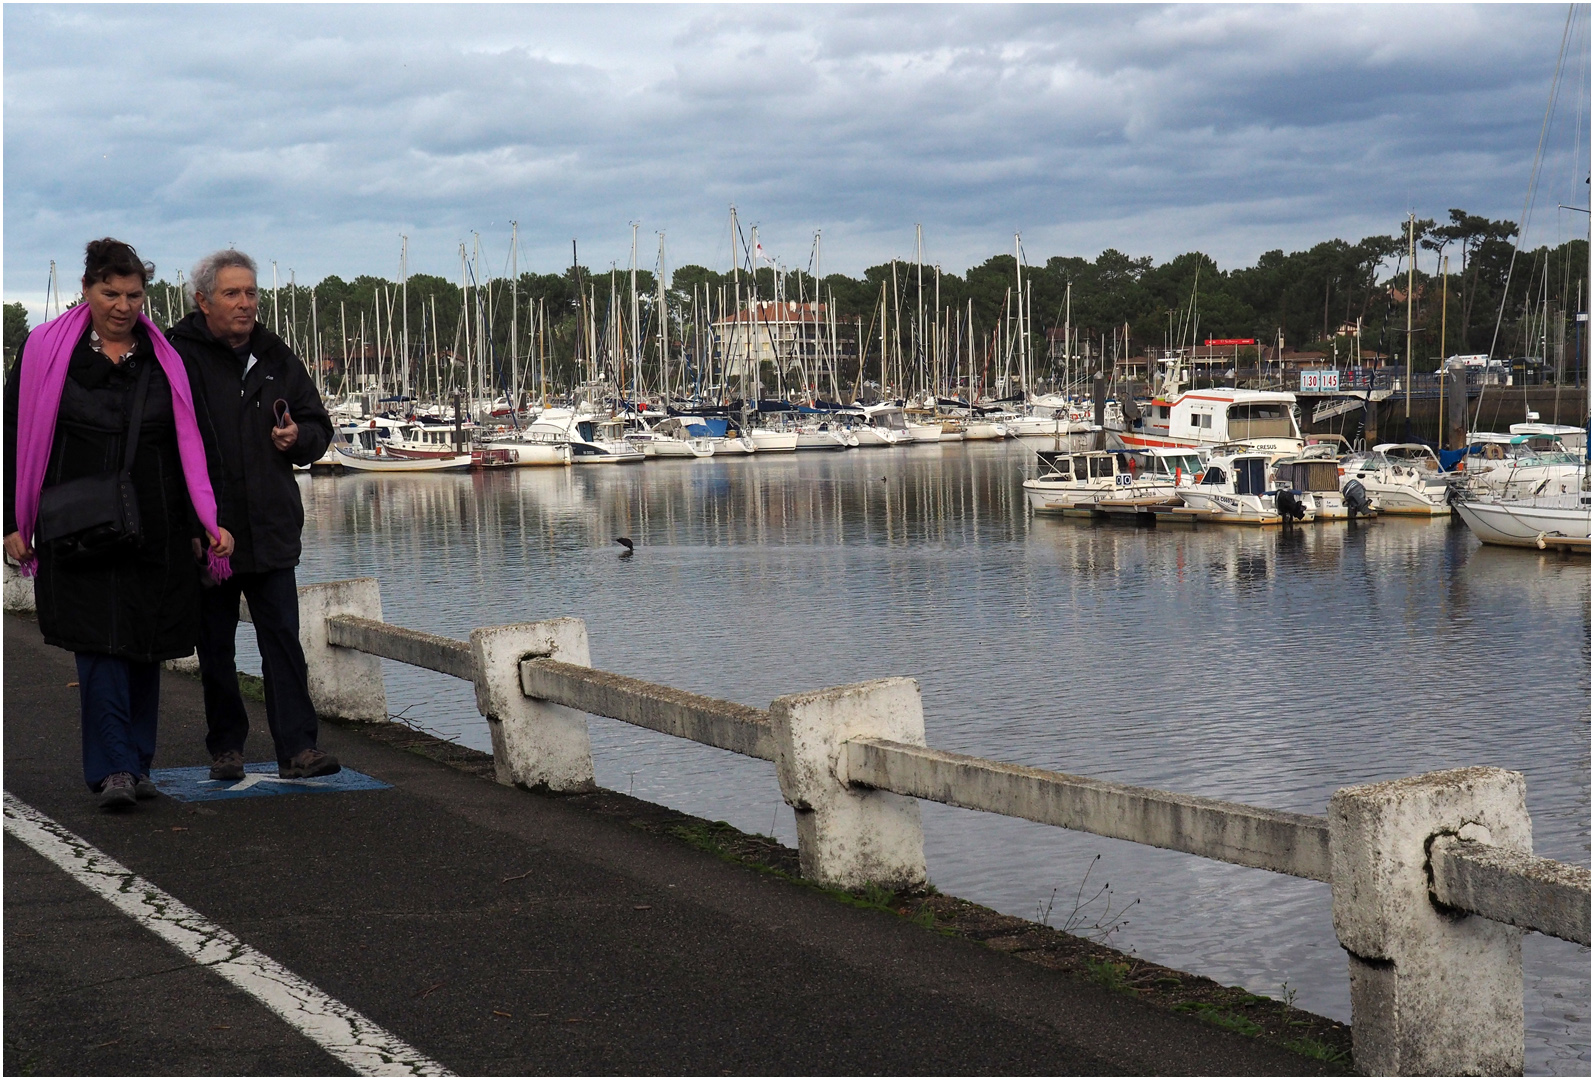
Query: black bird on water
(625, 542)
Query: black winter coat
(141, 605)
(257, 497)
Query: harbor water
(1268, 667)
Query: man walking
(260, 415)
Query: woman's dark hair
(108, 258)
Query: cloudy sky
(317, 135)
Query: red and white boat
(1260, 420)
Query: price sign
(1324, 380)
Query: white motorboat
(522, 449)
(1233, 489)
(1549, 521)
(377, 461)
(1571, 438)
(593, 440)
(882, 425)
(1314, 479)
(1400, 478)
(1079, 482)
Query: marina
(1262, 665)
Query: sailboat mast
(1411, 282)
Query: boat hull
(381, 463)
(1533, 523)
(767, 441)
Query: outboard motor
(1356, 500)
(1289, 505)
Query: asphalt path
(499, 932)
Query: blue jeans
(120, 703)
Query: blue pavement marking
(195, 784)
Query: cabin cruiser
(422, 441)
(1570, 438)
(1076, 481)
(1399, 478)
(1513, 466)
(881, 425)
(1313, 477)
(1262, 420)
(1235, 488)
(593, 440)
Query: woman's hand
(222, 546)
(18, 548)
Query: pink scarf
(45, 358)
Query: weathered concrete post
(1433, 990)
(344, 683)
(535, 743)
(849, 837)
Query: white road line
(330, 1024)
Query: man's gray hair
(203, 277)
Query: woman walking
(106, 500)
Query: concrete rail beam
(1294, 844)
(1433, 991)
(740, 729)
(416, 647)
(1513, 887)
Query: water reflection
(1268, 667)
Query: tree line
(1115, 305)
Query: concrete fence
(1433, 878)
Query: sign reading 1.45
(1320, 380)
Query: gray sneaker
(227, 766)
(144, 788)
(117, 791)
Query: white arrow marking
(251, 779)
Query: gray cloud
(316, 135)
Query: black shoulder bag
(96, 516)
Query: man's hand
(286, 433)
(18, 548)
(223, 545)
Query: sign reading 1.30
(1325, 379)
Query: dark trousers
(273, 597)
(120, 702)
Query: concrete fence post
(1433, 990)
(850, 837)
(535, 743)
(344, 683)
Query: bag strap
(136, 421)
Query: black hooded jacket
(257, 497)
